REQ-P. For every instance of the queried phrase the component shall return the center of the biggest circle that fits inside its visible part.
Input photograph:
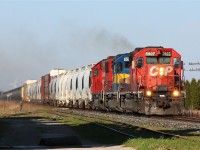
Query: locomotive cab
(121, 72)
(158, 73)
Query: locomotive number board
(150, 53)
(166, 53)
(154, 54)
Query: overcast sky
(39, 35)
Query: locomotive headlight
(161, 71)
(148, 93)
(176, 93)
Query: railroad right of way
(165, 127)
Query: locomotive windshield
(152, 60)
(164, 60)
(158, 60)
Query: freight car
(147, 80)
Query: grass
(11, 108)
(162, 144)
(86, 128)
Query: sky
(39, 35)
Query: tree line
(192, 94)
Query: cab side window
(96, 72)
(139, 62)
(177, 62)
(119, 67)
(128, 64)
(106, 67)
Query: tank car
(80, 84)
(29, 90)
(71, 88)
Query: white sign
(150, 53)
(154, 70)
(126, 58)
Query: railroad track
(189, 119)
(62, 113)
(178, 118)
(174, 118)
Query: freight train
(148, 80)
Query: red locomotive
(157, 78)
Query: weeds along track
(98, 118)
